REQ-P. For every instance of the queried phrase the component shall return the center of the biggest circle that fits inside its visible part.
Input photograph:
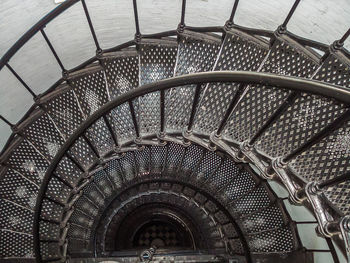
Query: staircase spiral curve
(191, 144)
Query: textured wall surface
(321, 20)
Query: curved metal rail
(295, 84)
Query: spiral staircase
(201, 144)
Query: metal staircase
(189, 129)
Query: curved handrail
(35, 29)
(244, 77)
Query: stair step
(90, 87)
(258, 103)
(196, 53)
(40, 130)
(62, 106)
(277, 240)
(239, 51)
(122, 71)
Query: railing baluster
(162, 111)
(62, 181)
(274, 117)
(6, 121)
(77, 164)
(230, 109)
(334, 181)
(233, 13)
(319, 136)
(183, 11)
(21, 80)
(194, 106)
(339, 43)
(91, 26)
(136, 15)
(134, 120)
(55, 201)
(114, 136)
(52, 49)
(291, 12)
(93, 148)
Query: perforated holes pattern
(194, 55)
(252, 111)
(260, 102)
(334, 71)
(87, 206)
(103, 182)
(302, 120)
(127, 163)
(15, 218)
(237, 53)
(208, 165)
(157, 62)
(192, 157)
(175, 154)
(278, 240)
(158, 157)
(51, 211)
(65, 111)
(15, 244)
(122, 72)
(45, 136)
(26, 160)
(15, 188)
(100, 137)
(121, 122)
(325, 160)
(115, 173)
(224, 174)
(252, 201)
(68, 171)
(91, 91)
(265, 219)
(82, 153)
(57, 190)
(142, 159)
(239, 186)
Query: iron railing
(294, 84)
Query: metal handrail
(265, 79)
(35, 29)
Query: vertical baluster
(21, 80)
(52, 50)
(91, 26)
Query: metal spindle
(6, 121)
(230, 109)
(21, 80)
(52, 49)
(291, 12)
(334, 181)
(344, 37)
(162, 111)
(138, 33)
(133, 116)
(77, 164)
(233, 13)
(183, 11)
(319, 136)
(274, 117)
(91, 26)
(92, 147)
(194, 106)
(63, 181)
(114, 136)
